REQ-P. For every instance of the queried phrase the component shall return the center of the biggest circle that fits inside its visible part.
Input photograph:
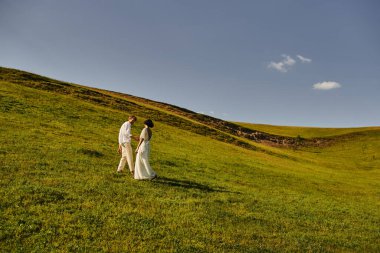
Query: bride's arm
(141, 140)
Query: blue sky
(283, 62)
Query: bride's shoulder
(145, 131)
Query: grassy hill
(306, 132)
(217, 191)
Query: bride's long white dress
(142, 166)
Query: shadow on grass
(188, 184)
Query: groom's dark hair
(149, 123)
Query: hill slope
(226, 131)
(216, 192)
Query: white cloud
(289, 61)
(303, 59)
(278, 66)
(284, 65)
(326, 85)
(212, 112)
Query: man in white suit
(125, 148)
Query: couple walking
(142, 169)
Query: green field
(60, 192)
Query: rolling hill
(222, 186)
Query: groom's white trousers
(126, 156)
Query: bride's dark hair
(149, 123)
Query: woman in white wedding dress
(142, 166)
